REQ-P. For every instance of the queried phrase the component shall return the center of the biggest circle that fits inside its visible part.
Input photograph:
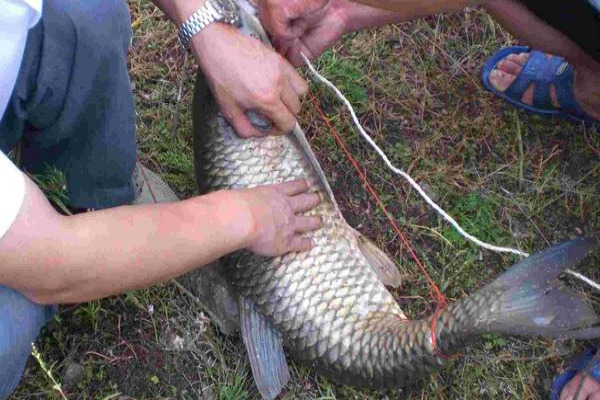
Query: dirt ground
(508, 177)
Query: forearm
(178, 10)
(361, 14)
(90, 256)
(417, 8)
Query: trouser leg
(72, 107)
(20, 324)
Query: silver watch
(225, 11)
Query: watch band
(206, 15)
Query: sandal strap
(528, 74)
(541, 91)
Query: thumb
(295, 51)
(236, 116)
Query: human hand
(277, 227)
(304, 26)
(244, 75)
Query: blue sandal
(543, 72)
(581, 363)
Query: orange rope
(441, 301)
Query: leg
(73, 105)
(536, 33)
(20, 323)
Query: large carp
(329, 307)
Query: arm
(313, 26)
(243, 74)
(56, 259)
(418, 8)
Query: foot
(510, 67)
(590, 389)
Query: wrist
(178, 11)
(232, 213)
(360, 16)
(345, 10)
(202, 43)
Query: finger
(292, 53)
(282, 46)
(300, 244)
(291, 100)
(237, 118)
(297, 83)
(310, 45)
(305, 202)
(282, 118)
(240, 123)
(307, 224)
(294, 188)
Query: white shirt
(16, 18)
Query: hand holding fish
(289, 21)
(313, 26)
(244, 74)
(277, 226)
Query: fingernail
(321, 196)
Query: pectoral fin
(215, 296)
(265, 351)
(384, 267)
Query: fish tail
(529, 300)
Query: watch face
(230, 11)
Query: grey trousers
(72, 107)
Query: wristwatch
(225, 11)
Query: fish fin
(265, 351)
(301, 141)
(215, 295)
(535, 302)
(384, 267)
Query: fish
(330, 307)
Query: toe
(501, 80)
(589, 387)
(520, 59)
(510, 67)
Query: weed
(48, 371)
(347, 75)
(236, 389)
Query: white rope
(398, 171)
(584, 279)
(418, 188)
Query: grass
(509, 177)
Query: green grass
(508, 177)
